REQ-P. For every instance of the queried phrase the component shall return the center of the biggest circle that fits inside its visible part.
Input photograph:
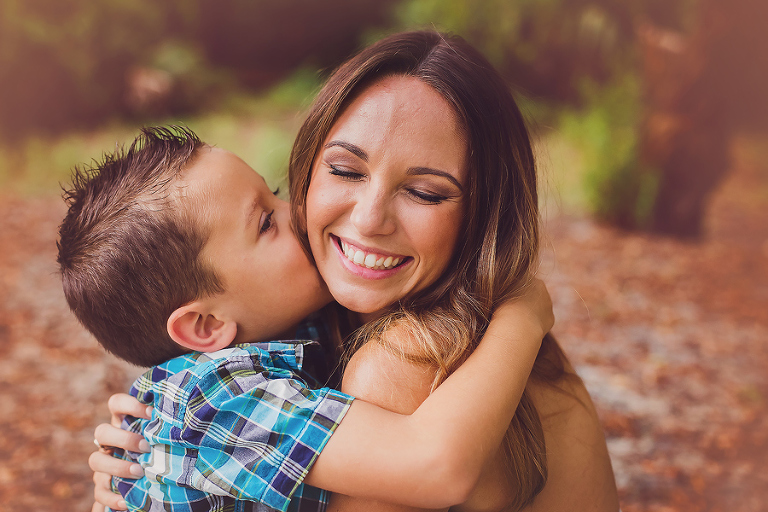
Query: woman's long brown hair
(497, 252)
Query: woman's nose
(372, 213)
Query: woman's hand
(536, 302)
(104, 464)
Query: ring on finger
(109, 450)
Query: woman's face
(387, 193)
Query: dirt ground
(670, 337)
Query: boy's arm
(433, 457)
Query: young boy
(176, 254)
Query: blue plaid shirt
(232, 431)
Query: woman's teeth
(369, 259)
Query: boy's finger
(109, 435)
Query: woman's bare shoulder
(383, 374)
(580, 472)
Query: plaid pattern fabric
(235, 430)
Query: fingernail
(122, 505)
(144, 446)
(136, 470)
(149, 411)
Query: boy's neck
(287, 334)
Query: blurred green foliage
(618, 187)
(258, 128)
(63, 63)
(68, 64)
(544, 47)
(72, 65)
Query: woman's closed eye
(345, 173)
(426, 197)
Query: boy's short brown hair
(129, 252)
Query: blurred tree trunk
(699, 89)
(685, 133)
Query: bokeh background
(651, 126)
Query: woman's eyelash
(276, 191)
(344, 174)
(267, 225)
(427, 197)
(420, 195)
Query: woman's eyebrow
(418, 171)
(355, 150)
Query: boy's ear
(194, 327)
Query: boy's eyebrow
(352, 148)
(251, 212)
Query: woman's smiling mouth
(368, 259)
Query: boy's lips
(366, 262)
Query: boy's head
(173, 245)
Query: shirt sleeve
(256, 432)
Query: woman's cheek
(321, 209)
(439, 237)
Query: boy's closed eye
(267, 222)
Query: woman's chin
(366, 312)
(366, 307)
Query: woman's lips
(368, 263)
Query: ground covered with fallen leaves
(671, 338)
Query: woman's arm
(380, 377)
(434, 456)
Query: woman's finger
(121, 404)
(109, 435)
(103, 463)
(104, 496)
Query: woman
(415, 150)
